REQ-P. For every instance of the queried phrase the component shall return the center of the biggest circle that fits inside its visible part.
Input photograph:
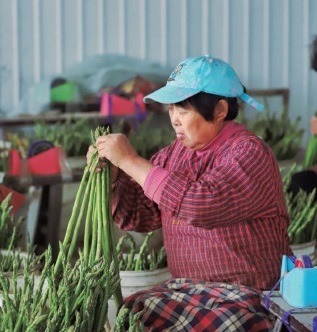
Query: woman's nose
(174, 118)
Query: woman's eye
(182, 112)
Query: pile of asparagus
(73, 293)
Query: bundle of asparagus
(302, 211)
(72, 297)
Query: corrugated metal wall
(266, 41)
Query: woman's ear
(221, 110)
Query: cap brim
(170, 94)
(252, 102)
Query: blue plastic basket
(298, 285)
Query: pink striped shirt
(221, 209)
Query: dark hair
(204, 103)
(304, 180)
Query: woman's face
(191, 128)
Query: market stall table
(299, 320)
(49, 217)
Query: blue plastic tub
(298, 285)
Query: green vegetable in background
(279, 131)
(4, 159)
(71, 135)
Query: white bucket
(134, 281)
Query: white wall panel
(156, 31)
(176, 27)
(73, 32)
(278, 44)
(267, 41)
(298, 60)
(9, 58)
(50, 37)
(219, 27)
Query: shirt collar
(227, 131)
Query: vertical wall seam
(121, 26)
(204, 27)
(142, 23)
(100, 25)
(306, 67)
(266, 43)
(226, 31)
(245, 40)
(163, 44)
(36, 42)
(305, 44)
(58, 40)
(15, 52)
(285, 45)
(184, 34)
(79, 31)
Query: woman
(216, 191)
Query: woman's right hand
(102, 163)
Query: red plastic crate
(17, 198)
(45, 163)
(112, 104)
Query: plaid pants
(188, 305)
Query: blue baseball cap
(201, 74)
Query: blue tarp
(91, 76)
